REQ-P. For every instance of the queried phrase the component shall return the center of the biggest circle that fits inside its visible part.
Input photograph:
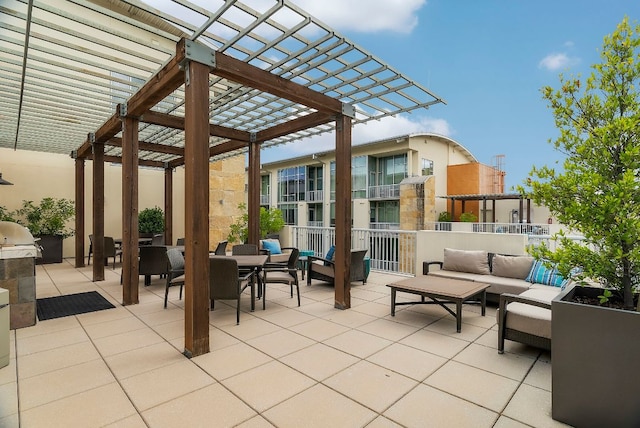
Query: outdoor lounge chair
(153, 261)
(324, 269)
(110, 250)
(526, 318)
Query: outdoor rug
(71, 304)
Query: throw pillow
(541, 274)
(511, 266)
(472, 261)
(273, 245)
(329, 255)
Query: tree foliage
(50, 217)
(597, 191)
(271, 221)
(151, 220)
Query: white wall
(36, 175)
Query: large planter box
(595, 355)
(51, 249)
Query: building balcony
(387, 191)
(314, 196)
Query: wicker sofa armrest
(425, 266)
(311, 259)
(507, 298)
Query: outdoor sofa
(522, 286)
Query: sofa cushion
(472, 261)
(511, 266)
(532, 319)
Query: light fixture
(3, 181)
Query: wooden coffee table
(440, 291)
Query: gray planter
(594, 362)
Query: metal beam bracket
(195, 51)
(91, 137)
(122, 109)
(253, 136)
(349, 110)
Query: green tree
(597, 192)
(271, 221)
(50, 217)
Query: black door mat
(71, 304)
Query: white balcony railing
(387, 191)
(314, 196)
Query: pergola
(493, 197)
(241, 77)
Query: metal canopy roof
(65, 65)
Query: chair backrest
(109, 247)
(357, 264)
(176, 259)
(153, 260)
(223, 278)
(180, 241)
(221, 249)
(292, 263)
(245, 250)
(158, 239)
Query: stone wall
(226, 192)
(417, 202)
(18, 276)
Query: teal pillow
(273, 245)
(540, 274)
(329, 255)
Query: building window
(314, 183)
(359, 177)
(426, 166)
(385, 212)
(265, 190)
(291, 184)
(315, 215)
(289, 213)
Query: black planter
(594, 363)
(51, 249)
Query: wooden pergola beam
(177, 122)
(295, 125)
(149, 147)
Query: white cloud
(557, 61)
(363, 133)
(365, 15)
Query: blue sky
(488, 60)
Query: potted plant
(595, 348)
(48, 221)
(468, 217)
(6, 215)
(271, 221)
(150, 222)
(444, 221)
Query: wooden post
(130, 182)
(343, 213)
(168, 205)
(196, 301)
(79, 212)
(98, 210)
(253, 197)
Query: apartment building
(395, 182)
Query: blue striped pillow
(540, 274)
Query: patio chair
(526, 318)
(157, 239)
(175, 274)
(227, 283)
(153, 261)
(324, 269)
(90, 249)
(180, 241)
(275, 272)
(245, 250)
(221, 249)
(110, 250)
